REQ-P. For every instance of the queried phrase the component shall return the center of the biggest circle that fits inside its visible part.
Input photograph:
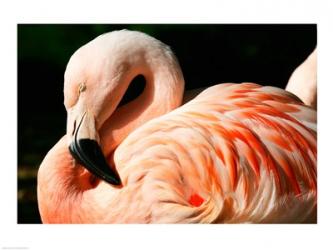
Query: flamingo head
(97, 77)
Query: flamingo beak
(86, 150)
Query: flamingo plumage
(236, 153)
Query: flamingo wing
(235, 153)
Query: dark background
(208, 54)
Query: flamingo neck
(163, 93)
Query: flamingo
(303, 81)
(236, 153)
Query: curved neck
(163, 93)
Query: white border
(162, 236)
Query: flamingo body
(237, 153)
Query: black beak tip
(112, 179)
(89, 154)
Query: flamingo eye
(82, 87)
(134, 90)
